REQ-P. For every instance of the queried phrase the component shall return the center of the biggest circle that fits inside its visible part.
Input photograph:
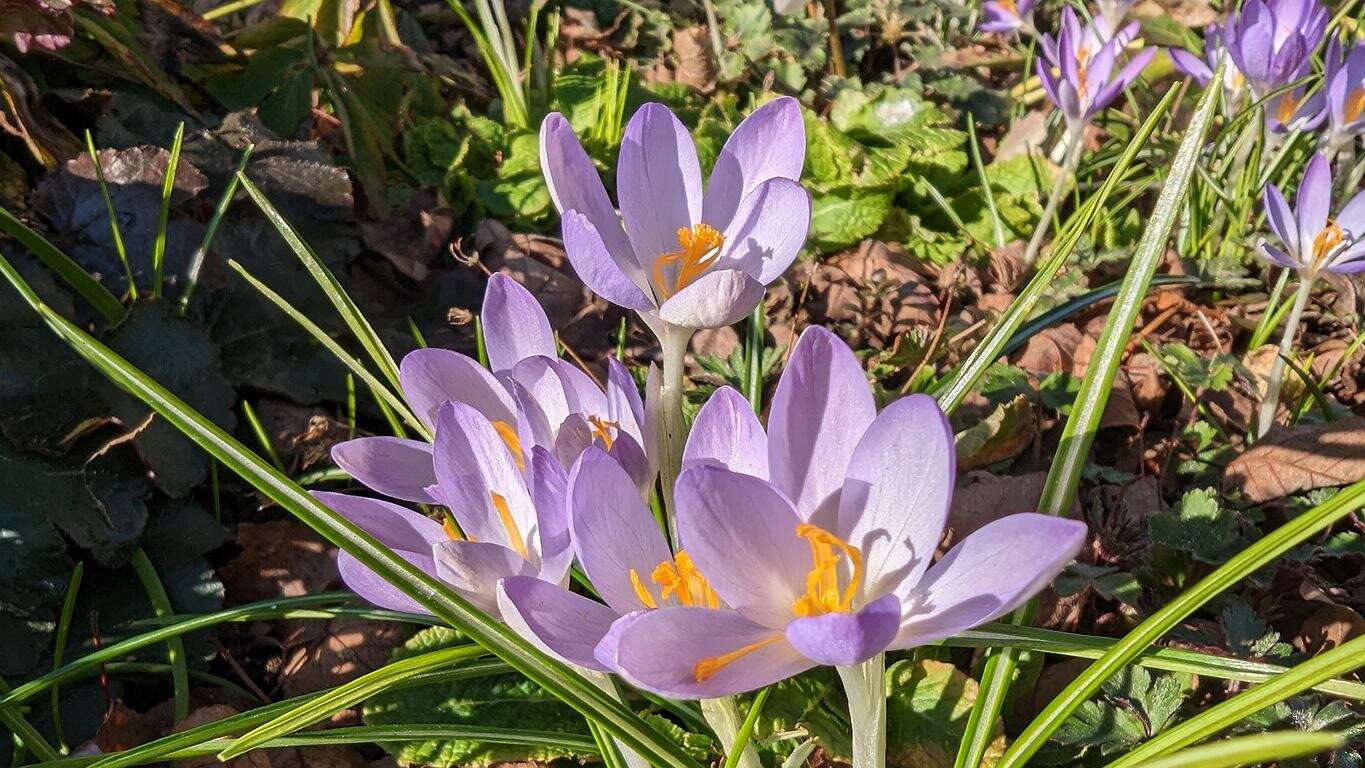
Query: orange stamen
(1355, 106)
(681, 577)
(601, 429)
(822, 582)
(642, 591)
(509, 525)
(700, 247)
(509, 436)
(710, 666)
(1327, 241)
(448, 525)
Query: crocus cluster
(1343, 93)
(1312, 240)
(1080, 68)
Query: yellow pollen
(1355, 105)
(509, 525)
(681, 577)
(1327, 240)
(1288, 104)
(700, 247)
(1011, 6)
(642, 591)
(448, 525)
(822, 582)
(601, 429)
(508, 433)
(710, 666)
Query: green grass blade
(347, 308)
(554, 676)
(69, 271)
(73, 588)
(1259, 749)
(380, 390)
(13, 719)
(1130, 646)
(219, 210)
(115, 229)
(746, 729)
(957, 384)
(167, 189)
(1063, 480)
(1339, 660)
(175, 649)
(348, 695)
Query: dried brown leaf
(1292, 460)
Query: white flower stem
(723, 717)
(865, 686)
(1270, 403)
(672, 428)
(1075, 145)
(608, 686)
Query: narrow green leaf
(432, 594)
(74, 274)
(115, 230)
(73, 588)
(13, 719)
(167, 189)
(1078, 434)
(175, 650)
(1258, 749)
(1344, 658)
(347, 308)
(746, 729)
(219, 210)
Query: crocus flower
(1272, 41)
(1109, 16)
(1344, 92)
(1202, 68)
(684, 258)
(1007, 17)
(812, 544)
(510, 526)
(531, 398)
(1077, 70)
(1314, 241)
(1296, 110)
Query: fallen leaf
(347, 649)
(256, 758)
(696, 62)
(1050, 351)
(986, 497)
(1002, 435)
(414, 239)
(1329, 627)
(870, 295)
(279, 558)
(1296, 459)
(125, 727)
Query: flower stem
(672, 431)
(1075, 145)
(608, 686)
(1270, 403)
(865, 686)
(723, 717)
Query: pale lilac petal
(595, 266)
(473, 569)
(659, 651)
(550, 494)
(550, 391)
(392, 466)
(607, 649)
(575, 186)
(633, 460)
(560, 622)
(718, 298)
(514, 324)
(1191, 65)
(845, 639)
(372, 587)
(741, 533)
(1351, 266)
(613, 531)
(397, 528)
(432, 377)
(653, 395)
(1314, 202)
(770, 143)
(821, 409)
(473, 463)
(624, 405)
(1281, 218)
(992, 572)
(767, 230)
(1277, 256)
(1351, 217)
(897, 492)
(727, 433)
(658, 182)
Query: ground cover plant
(735, 383)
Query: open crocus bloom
(1007, 17)
(1272, 41)
(1313, 239)
(531, 398)
(1077, 69)
(509, 527)
(1344, 75)
(818, 536)
(683, 258)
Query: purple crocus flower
(812, 543)
(1007, 17)
(1344, 92)
(1272, 41)
(1313, 240)
(1109, 16)
(531, 398)
(511, 526)
(1077, 69)
(684, 258)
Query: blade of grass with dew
(1340, 660)
(1084, 301)
(1132, 645)
(1258, 749)
(378, 388)
(73, 274)
(175, 649)
(73, 588)
(167, 189)
(219, 210)
(347, 308)
(1064, 477)
(554, 676)
(962, 379)
(115, 229)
